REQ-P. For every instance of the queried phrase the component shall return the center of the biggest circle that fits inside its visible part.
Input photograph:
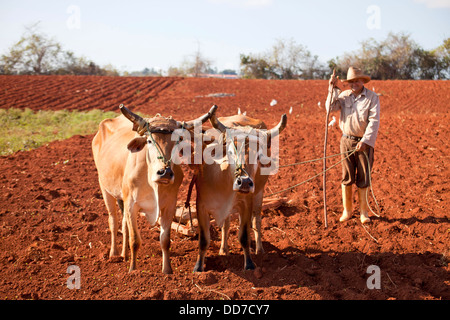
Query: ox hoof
(249, 265)
(364, 219)
(132, 267)
(345, 217)
(167, 271)
(259, 251)
(198, 267)
(125, 255)
(113, 253)
(115, 259)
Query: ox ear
(137, 144)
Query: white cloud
(244, 3)
(435, 3)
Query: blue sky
(132, 35)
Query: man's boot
(347, 201)
(362, 193)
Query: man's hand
(361, 147)
(333, 81)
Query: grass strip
(24, 129)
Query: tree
(175, 72)
(285, 60)
(146, 72)
(70, 64)
(313, 68)
(254, 67)
(198, 65)
(442, 54)
(399, 51)
(229, 72)
(396, 57)
(36, 53)
(193, 65)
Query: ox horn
(217, 124)
(139, 124)
(277, 130)
(190, 124)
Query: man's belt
(352, 137)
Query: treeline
(285, 60)
(396, 57)
(36, 53)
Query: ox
(136, 171)
(234, 182)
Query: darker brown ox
(135, 171)
(228, 186)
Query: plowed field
(52, 213)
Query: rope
(351, 152)
(239, 167)
(315, 176)
(187, 204)
(158, 148)
(371, 189)
(314, 160)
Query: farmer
(359, 122)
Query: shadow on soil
(343, 275)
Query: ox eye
(149, 141)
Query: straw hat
(356, 73)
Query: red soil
(52, 213)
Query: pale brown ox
(137, 172)
(234, 183)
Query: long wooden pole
(325, 162)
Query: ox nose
(243, 184)
(164, 175)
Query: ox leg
(125, 249)
(125, 234)
(244, 239)
(164, 239)
(203, 239)
(110, 203)
(225, 233)
(256, 225)
(256, 222)
(131, 211)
